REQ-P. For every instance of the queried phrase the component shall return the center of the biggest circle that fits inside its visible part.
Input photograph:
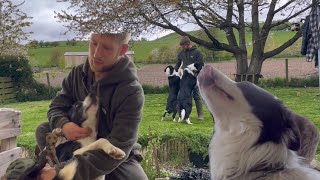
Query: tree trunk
(251, 73)
(242, 66)
(255, 69)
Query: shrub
(36, 91)
(164, 54)
(56, 58)
(16, 67)
(312, 81)
(26, 88)
(149, 89)
(197, 142)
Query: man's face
(185, 46)
(104, 52)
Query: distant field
(41, 56)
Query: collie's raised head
(256, 135)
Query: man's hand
(74, 132)
(47, 173)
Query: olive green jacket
(121, 101)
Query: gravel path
(298, 68)
(153, 74)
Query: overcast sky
(46, 27)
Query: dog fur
(86, 114)
(256, 136)
(187, 84)
(174, 86)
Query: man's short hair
(185, 40)
(122, 37)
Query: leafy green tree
(41, 43)
(33, 44)
(55, 44)
(46, 44)
(71, 42)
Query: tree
(55, 44)
(12, 22)
(41, 43)
(71, 42)
(233, 17)
(33, 44)
(46, 44)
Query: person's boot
(199, 109)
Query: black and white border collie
(187, 83)
(256, 136)
(174, 86)
(85, 115)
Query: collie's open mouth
(207, 79)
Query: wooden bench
(10, 128)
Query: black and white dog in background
(174, 86)
(256, 135)
(187, 83)
(85, 115)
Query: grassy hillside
(44, 56)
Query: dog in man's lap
(85, 114)
(256, 136)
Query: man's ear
(124, 49)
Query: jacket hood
(124, 70)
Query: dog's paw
(162, 119)
(116, 153)
(79, 151)
(179, 120)
(188, 121)
(174, 120)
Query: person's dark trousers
(198, 102)
(129, 169)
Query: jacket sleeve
(199, 58)
(60, 105)
(178, 63)
(123, 135)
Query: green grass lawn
(304, 101)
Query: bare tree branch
(281, 48)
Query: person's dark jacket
(121, 101)
(188, 57)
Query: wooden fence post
(287, 71)
(48, 81)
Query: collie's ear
(165, 69)
(294, 140)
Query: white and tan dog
(256, 136)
